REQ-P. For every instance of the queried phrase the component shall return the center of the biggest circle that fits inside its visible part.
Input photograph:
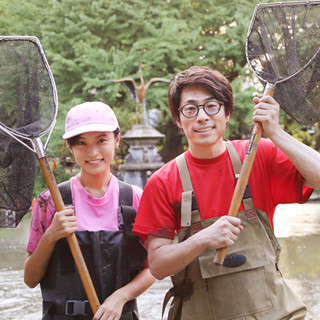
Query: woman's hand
(111, 309)
(63, 224)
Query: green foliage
(60, 175)
(93, 42)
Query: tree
(95, 41)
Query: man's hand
(266, 111)
(224, 232)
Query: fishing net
(17, 175)
(26, 99)
(283, 48)
(29, 105)
(27, 110)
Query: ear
(117, 141)
(178, 123)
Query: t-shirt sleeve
(42, 216)
(287, 182)
(156, 213)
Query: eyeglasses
(211, 108)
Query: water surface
(296, 226)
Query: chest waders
(113, 259)
(252, 290)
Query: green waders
(253, 290)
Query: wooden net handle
(72, 239)
(244, 175)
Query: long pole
(72, 239)
(244, 175)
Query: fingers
(231, 229)
(63, 224)
(104, 313)
(266, 112)
(224, 232)
(232, 221)
(67, 212)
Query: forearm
(112, 307)
(304, 158)
(36, 263)
(140, 283)
(168, 259)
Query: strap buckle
(76, 307)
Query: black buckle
(247, 193)
(76, 307)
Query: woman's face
(94, 152)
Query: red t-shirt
(273, 180)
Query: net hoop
(19, 135)
(278, 4)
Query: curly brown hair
(213, 80)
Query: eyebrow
(206, 99)
(103, 134)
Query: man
(249, 285)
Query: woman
(92, 134)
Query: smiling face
(204, 133)
(94, 152)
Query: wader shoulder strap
(184, 173)
(236, 164)
(235, 159)
(189, 207)
(65, 190)
(125, 193)
(135, 251)
(127, 213)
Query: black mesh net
(27, 111)
(18, 168)
(26, 98)
(283, 48)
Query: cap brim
(89, 128)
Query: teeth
(93, 161)
(204, 129)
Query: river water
(296, 226)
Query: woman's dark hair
(211, 79)
(73, 140)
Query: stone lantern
(143, 157)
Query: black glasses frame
(203, 106)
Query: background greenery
(88, 43)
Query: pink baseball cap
(89, 117)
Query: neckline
(208, 161)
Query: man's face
(204, 132)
